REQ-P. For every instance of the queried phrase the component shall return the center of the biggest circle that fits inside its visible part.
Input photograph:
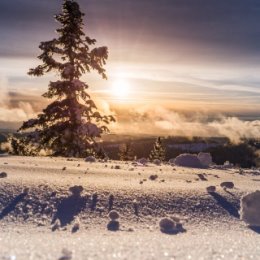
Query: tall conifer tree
(71, 124)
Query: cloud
(162, 121)
(17, 107)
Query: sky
(194, 59)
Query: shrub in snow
(250, 208)
(227, 185)
(90, 159)
(117, 167)
(143, 161)
(188, 160)
(205, 159)
(113, 215)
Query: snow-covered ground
(35, 196)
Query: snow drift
(188, 160)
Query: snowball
(205, 159)
(188, 160)
(113, 225)
(171, 225)
(76, 190)
(113, 215)
(153, 177)
(166, 224)
(90, 159)
(250, 208)
(211, 189)
(3, 175)
(227, 185)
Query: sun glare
(121, 88)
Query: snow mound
(205, 159)
(250, 208)
(143, 161)
(157, 162)
(188, 160)
(90, 159)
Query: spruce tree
(126, 152)
(158, 151)
(71, 124)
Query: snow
(205, 159)
(188, 160)
(205, 219)
(250, 208)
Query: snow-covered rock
(188, 160)
(205, 159)
(250, 208)
(90, 159)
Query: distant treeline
(245, 154)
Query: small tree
(158, 151)
(71, 125)
(126, 152)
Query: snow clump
(250, 209)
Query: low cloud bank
(161, 121)
(153, 120)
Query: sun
(121, 88)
